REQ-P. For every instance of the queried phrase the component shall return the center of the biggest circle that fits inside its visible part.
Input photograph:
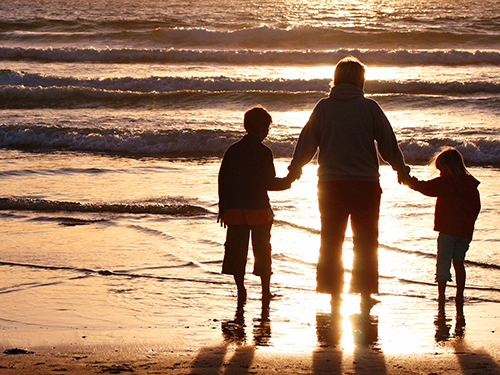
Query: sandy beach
(398, 336)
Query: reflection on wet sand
(443, 326)
(262, 328)
(233, 331)
(330, 331)
(350, 338)
(368, 356)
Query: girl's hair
(450, 161)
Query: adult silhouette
(350, 131)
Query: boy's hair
(450, 160)
(257, 119)
(350, 70)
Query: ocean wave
(12, 80)
(316, 37)
(17, 81)
(32, 90)
(261, 37)
(477, 149)
(117, 140)
(42, 205)
(18, 97)
(391, 57)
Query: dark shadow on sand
(472, 361)
(212, 360)
(209, 360)
(241, 361)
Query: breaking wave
(399, 57)
(42, 205)
(477, 149)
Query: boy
(246, 174)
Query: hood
(465, 180)
(464, 184)
(346, 91)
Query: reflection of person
(246, 174)
(329, 329)
(262, 327)
(233, 331)
(347, 128)
(457, 207)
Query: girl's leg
(460, 279)
(461, 247)
(446, 246)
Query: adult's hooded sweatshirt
(348, 129)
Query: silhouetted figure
(349, 130)
(457, 207)
(246, 174)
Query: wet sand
(400, 335)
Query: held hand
(293, 176)
(404, 177)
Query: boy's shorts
(449, 247)
(236, 249)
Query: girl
(457, 207)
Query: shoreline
(397, 337)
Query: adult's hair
(257, 119)
(350, 70)
(449, 160)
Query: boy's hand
(220, 219)
(293, 176)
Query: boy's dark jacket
(458, 203)
(246, 174)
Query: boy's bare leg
(460, 276)
(441, 294)
(266, 287)
(240, 285)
